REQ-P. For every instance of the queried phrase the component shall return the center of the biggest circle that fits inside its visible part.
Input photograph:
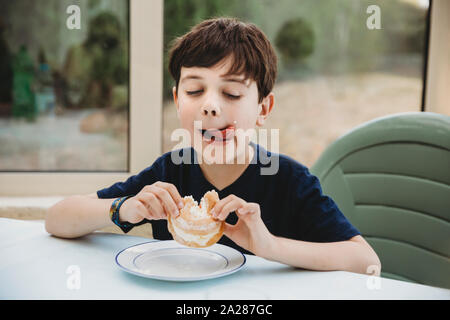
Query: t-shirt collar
(197, 172)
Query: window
(64, 102)
(334, 71)
(75, 156)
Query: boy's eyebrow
(190, 77)
(243, 81)
(193, 76)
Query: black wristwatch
(114, 214)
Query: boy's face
(226, 106)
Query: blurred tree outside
(6, 72)
(342, 43)
(23, 94)
(96, 71)
(295, 41)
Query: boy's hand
(249, 232)
(153, 202)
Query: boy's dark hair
(212, 40)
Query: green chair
(391, 179)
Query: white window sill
(26, 208)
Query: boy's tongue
(223, 134)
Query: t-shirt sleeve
(317, 216)
(133, 185)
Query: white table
(35, 265)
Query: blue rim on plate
(234, 262)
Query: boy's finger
(228, 208)
(157, 210)
(248, 210)
(222, 202)
(242, 211)
(217, 209)
(152, 205)
(173, 191)
(142, 210)
(166, 200)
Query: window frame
(437, 73)
(145, 115)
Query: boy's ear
(264, 108)
(175, 100)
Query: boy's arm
(78, 215)
(250, 232)
(354, 255)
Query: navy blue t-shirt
(290, 197)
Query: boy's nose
(210, 110)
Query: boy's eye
(193, 92)
(231, 96)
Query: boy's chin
(222, 152)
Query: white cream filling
(186, 225)
(200, 239)
(199, 212)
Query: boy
(224, 71)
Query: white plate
(169, 260)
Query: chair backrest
(391, 179)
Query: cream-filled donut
(195, 226)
